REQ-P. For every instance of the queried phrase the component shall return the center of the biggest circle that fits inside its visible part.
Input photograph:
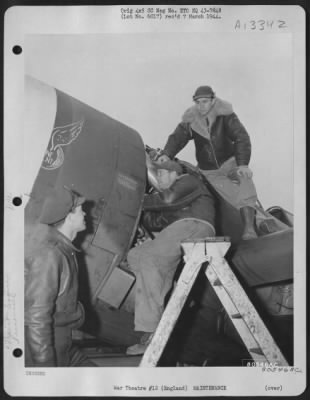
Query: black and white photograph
(155, 186)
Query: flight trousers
(154, 264)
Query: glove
(244, 171)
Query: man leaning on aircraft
(182, 209)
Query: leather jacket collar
(199, 124)
(56, 237)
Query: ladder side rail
(240, 325)
(245, 307)
(194, 257)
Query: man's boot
(248, 219)
(140, 347)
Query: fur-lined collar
(199, 124)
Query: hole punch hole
(17, 49)
(17, 201)
(17, 353)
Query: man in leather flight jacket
(182, 209)
(223, 151)
(51, 285)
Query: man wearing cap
(51, 284)
(223, 151)
(183, 208)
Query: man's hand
(157, 155)
(153, 154)
(244, 171)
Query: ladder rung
(236, 316)
(217, 282)
(257, 350)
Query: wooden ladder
(252, 330)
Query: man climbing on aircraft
(183, 208)
(223, 151)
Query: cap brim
(203, 97)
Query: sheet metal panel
(102, 159)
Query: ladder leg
(194, 256)
(241, 311)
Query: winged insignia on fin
(61, 136)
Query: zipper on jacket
(217, 164)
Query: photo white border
(21, 21)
